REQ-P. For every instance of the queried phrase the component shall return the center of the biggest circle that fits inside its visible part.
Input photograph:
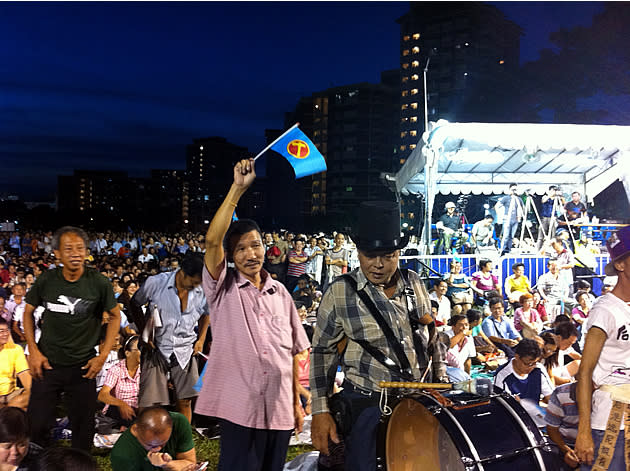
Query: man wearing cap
(375, 322)
(605, 366)
(448, 224)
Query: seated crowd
(533, 348)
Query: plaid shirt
(342, 314)
(123, 386)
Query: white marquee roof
(484, 158)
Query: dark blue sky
(127, 85)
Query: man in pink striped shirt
(252, 379)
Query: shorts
(462, 297)
(154, 388)
(4, 400)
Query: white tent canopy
(484, 158)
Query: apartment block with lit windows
(473, 54)
(209, 168)
(354, 127)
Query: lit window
(402, 161)
(415, 64)
(413, 133)
(405, 79)
(412, 146)
(405, 65)
(411, 215)
(403, 147)
(403, 134)
(413, 119)
(406, 37)
(405, 93)
(414, 106)
(404, 120)
(200, 147)
(416, 36)
(406, 52)
(404, 107)
(501, 62)
(416, 50)
(414, 91)
(414, 77)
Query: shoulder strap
(404, 370)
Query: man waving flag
(301, 153)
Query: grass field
(207, 450)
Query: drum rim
(475, 459)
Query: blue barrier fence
(534, 265)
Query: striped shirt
(296, 269)
(177, 334)
(123, 386)
(562, 412)
(255, 335)
(341, 314)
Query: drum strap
(607, 447)
(403, 369)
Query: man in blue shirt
(523, 376)
(176, 306)
(500, 330)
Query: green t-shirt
(71, 322)
(475, 331)
(129, 455)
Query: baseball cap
(618, 247)
(450, 204)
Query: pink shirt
(531, 318)
(255, 334)
(122, 385)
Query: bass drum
(472, 433)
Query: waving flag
(301, 153)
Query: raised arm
(244, 175)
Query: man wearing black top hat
(376, 323)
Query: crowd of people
(138, 332)
(514, 212)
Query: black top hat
(378, 227)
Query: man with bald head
(157, 439)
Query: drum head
(416, 441)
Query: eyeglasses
(530, 364)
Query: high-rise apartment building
(209, 168)
(473, 52)
(354, 127)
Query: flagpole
(269, 146)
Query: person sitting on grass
(157, 439)
(523, 376)
(13, 366)
(17, 451)
(123, 380)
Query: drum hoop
(528, 434)
(469, 442)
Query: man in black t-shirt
(576, 213)
(447, 225)
(64, 359)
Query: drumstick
(389, 384)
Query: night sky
(126, 86)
